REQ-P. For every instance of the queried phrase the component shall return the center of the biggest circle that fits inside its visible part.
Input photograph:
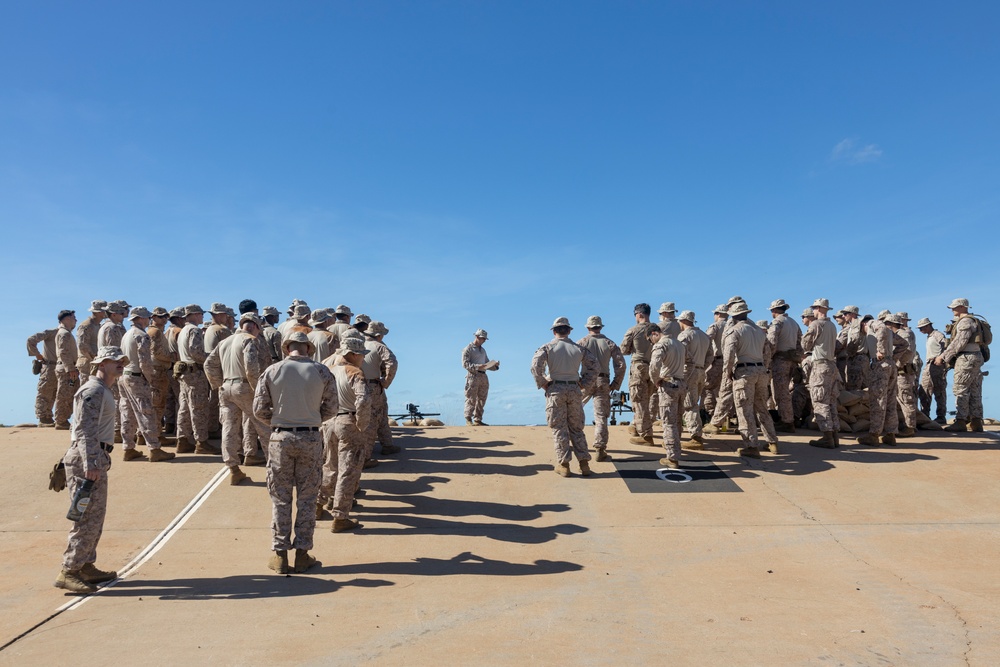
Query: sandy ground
(474, 552)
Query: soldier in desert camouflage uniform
(713, 375)
(746, 354)
(725, 406)
(563, 384)
(271, 335)
(110, 334)
(88, 458)
(344, 438)
(136, 402)
(698, 355)
(324, 341)
(671, 328)
(824, 380)
(379, 367)
(67, 375)
(906, 394)
(48, 381)
(173, 415)
(193, 426)
(636, 343)
(86, 337)
(967, 383)
(294, 397)
(785, 338)
(666, 371)
(159, 351)
(884, 420)
(853, 342)
(607, 353)
(477, 386)
(934, 380)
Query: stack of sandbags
(431, 422)
(852, 409)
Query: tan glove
(57, 478)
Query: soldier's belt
(745, 364)
(565, 382)
(374, 381)
(341, 414)
(106, 446)
(296, 429)
(134, 374)
(49, 363)
(232, 380)
(603, 375)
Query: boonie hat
(177, 312)
(739, 307)
(109, 353)
(687, 316)
(318, 317)
(481, 333)
(250, 317)
(300, 311)
(721, 309)
(595, 322)
(821, 303)
(882, 314)
(118, 307)
(778, 304)
(217, 308)
(903, 316)
(98, 306)
(270, 310)
(561, 322)
(192, 309)
(955, 303)
(352, 333)
(851, 309)
(667, 307)
(763, 324)
(377, 328)
(924, 322)
(350, 344)
(342, 310)
(139, 311)
(808, 312)
(734, 299)
(892, 318)
(361, 317)
(298, 337)
(160, 311)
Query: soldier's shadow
(459, 456)
(239, 587)
(466, 563)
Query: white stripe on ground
(158, 542)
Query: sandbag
(392, 422)
(431, 422)
(848, 398)
(929, 426)
(858, 409)
(862, 426)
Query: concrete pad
(473, 551)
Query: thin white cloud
(849, 151)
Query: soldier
(379, 367)
(294, 397)
(636, 343)
(86, 337)
(343, 323)
(841, 351)
(324, 341)
(606, 352)
(785, 337)
(136, 402)
(934, 380)
(292, 320)
(884, 420)
(563, 395)
(964, 351)
(698, 355)
(344, 437)
(88, 459)
(233, 369)
(67, 375)
(824, 380)
(477, 386)
(746, 354)
(666, 370)
(906, 395)
(272, 335)
(361, 322)
(159, 351)
(725, 405)
(193, 412)
(172, 413)
(855, 346)
(110, 335)
(669, 326)
(763, 325)
(713, 376)
(215, 333)
(48, 381)
(298, 322)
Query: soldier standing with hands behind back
(477, 386)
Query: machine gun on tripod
(414, 414)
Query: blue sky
(445, 166)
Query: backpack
(984, 337)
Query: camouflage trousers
(781, 376)
(81, 548)
(477, 388)
(713, 380)
(136, 408)
(934, 384)
(858, 367)
(906, 396)
(695, 382)
(344, 458)
(240, 428)
(564, 412)
(882, 399)
(725, 405)
(48, 386)
(160, 386)
(600, 392)
(640, 388)
(967, 384)
(378, 425)
(192, 412)
(214, 420)
(654, 404)
(66, 389)
(750, 385)
(294, 463)
(824, 389)
(671, 402)
(173, 402)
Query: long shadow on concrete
(457, 455)
(463, 563)
(242, 587)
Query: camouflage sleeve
(252, 361)
(688, 342)
(467, 360)
(389, 365)
(213, 368)
(773, 331)
(196, 345)
(362, 401)
(538, 366)
(66, 352)
(656, 364)
(145, 357)
(728, 354)
(591, 369)
(809, 337)
(618, 365)
(87, 406)
(905, 353)
(627, 345)
(159, 349)
(263, 405)
(965, 332)
(330, 404)
(33, 341)
(768, 353)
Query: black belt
(742, 365)
(49, 363)
(107, 446)
(718, 356)
(603, 375)
(232, 380)
(134, 374)
(341, 414)
(565, 382)
(296, 429)
(701, 368)
(373, 381)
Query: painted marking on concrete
(693, 476)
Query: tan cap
(561, 322)
(319, 316)
(851, 309)
(301, 311)
(808, 312)
(687, 316)
(903, 316)
(739, 307)
(721, 309)
(160, 311)
(98, 306)
(763, 324)
(778, 304)
(734, 299)
(893, 318)
(667, 307)
(270, 310)
(250, 317)
(955, 303)
(119, 307)
(177, 312)
(217, 308)
(377, 328)
(298, 337)
(350, 344)
(192, 309)
(821, 303)
(924, 322)
(361, 317)
(882, 314)
(481, 333)
(139, 311)
(342, 310)
(594, 322)
(109, 353)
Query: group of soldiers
(738, 368)
(305, 397)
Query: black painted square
(692, 477)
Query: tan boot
(468, 422)
(132, 455)
(254, 460)
(749, 452)
(959, 426)
(370, 463)
(236, 476)
(184, 446)
(602, 454)
(907, 432)
(710, 428)
(140, 440)
(92, 575)
(72, 581)
(631, 430)
(696, 442)
(118, 437)
(62, 426)
(825, 441)
(889, 439)
(670, 463)
(303, 561)
(344, 525)
(976, 425)
(562, 469)
(870, 439)
(160, 455)
(390, 449)
(772, 447)
(584, 469)
(206, 449)
(320, 511)
(279, 562)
